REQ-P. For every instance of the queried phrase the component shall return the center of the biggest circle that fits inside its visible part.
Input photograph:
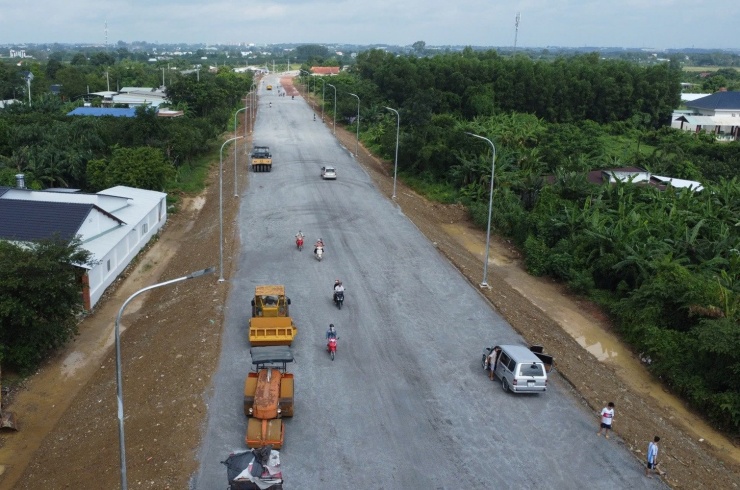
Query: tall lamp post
(29, 77)
(484, 284)
(308, 83)
(335, 107)
(395, 167)
(323, 91)
(357, 144)
(221, 210)
(236, 192)
(119, 385)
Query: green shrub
(536, 256)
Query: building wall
(104, 273)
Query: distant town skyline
(659, 24)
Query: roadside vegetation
(663, 263)
(51, 149)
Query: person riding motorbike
(319, 243)
(314, 117)
(270, 104)
(331, 333)
(299, 239)
(299, 235)
(338, 288)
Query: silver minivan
(519, 369)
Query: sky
(653, 24)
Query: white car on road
(328, 173)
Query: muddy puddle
(590, 332)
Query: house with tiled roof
(718, 113)
(325, 70)
(113, 225)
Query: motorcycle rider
(331, 333)
(319, 243)
(299, 235)
(338, 288)
(314, 117)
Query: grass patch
(443, 193)
(625, 148)
(190, 179)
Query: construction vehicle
(8, 418)
(261, 159)
(271, 323)
(268, 396)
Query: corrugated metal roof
(691, 97)
(718, 101)
(103, 111)
(23, 220)
(138, 99)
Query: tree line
(663, 263)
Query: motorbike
(331, 347)
(299, 243)
(339, 299)
(319, 253)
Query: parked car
(328, 173)
(521, 370)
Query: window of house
(108, 264)
(144, 228)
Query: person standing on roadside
(607, 415)
(652, 457)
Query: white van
(519, 369)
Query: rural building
(113, 225)
(636, 175)
(325, 70)
(133, 96)
(718, 113)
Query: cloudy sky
(571, 23)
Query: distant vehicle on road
(328, 173)
(261, 159)
(269, 87)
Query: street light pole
(484, 284)
(323, 91)
(335, 107)
(236, 192)
(221, 210)
(119, 385)
(357, 144)
(395, 167)
(308, 82)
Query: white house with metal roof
(718, 113)
(113, 225)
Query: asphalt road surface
(406, 404)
